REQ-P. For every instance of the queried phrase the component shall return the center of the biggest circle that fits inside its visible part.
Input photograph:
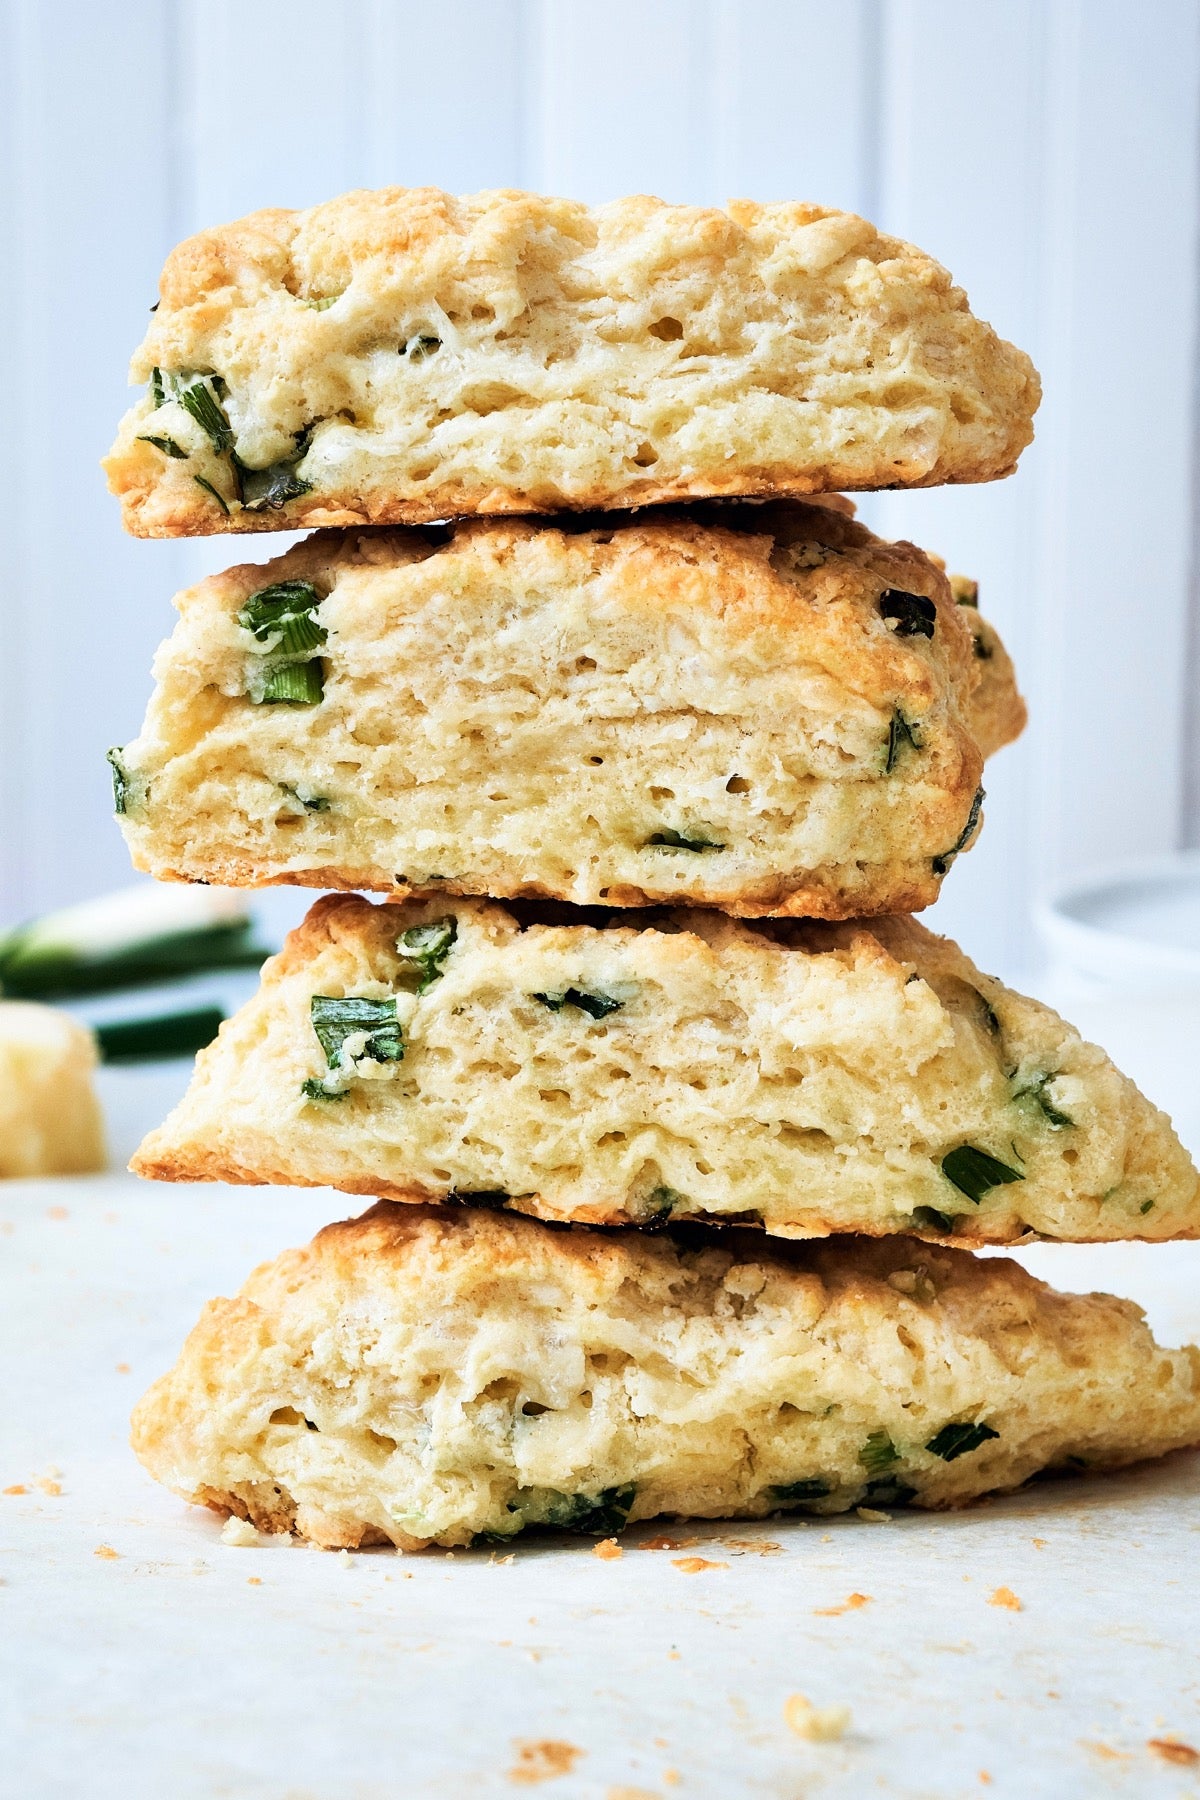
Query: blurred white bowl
(1133, 928)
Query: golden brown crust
(525, 709)
(423, 1375)
(813, 1077)
(508, 352)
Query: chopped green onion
(599, 1515)
(927, 1218)
(795, 1493)
(988, 1014)
(166, 444)
(210, 489)
(201, 396)
(280, 617)
(912, 615)
(1145, 1207)
(597, 1006)
(310, 802)
(120, 780)
(272, 487)
(878, 1453)
(337, 1020)
(942, 863)
(1036, 1091)
(675, 840)
(291, 684)
(887, 1491)
(158, 392)
(325, 302)
(426, 947)
(975, 1173)
(316, 1090)
(159, 1038)
(959, 1440)
(900, 732)
(964, 590)
(660, 1203)
(138, 935)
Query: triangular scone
(809, 1077)
(761, 708)
(402, 356)
(421, 1376)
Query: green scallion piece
(167, 445)
(878, 1453)
(210, 489)
(280, 616)
(158, 392)
(975, 1173)
(292, 684)
(668, 839)
(596, 1006)
(942, 863)
(795, 1493)
(1035, 1090)
(201, 396)
(337, 1019)
(900, 732)
(159, 1038)
(959, 1440)
(426, 948)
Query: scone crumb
(1174, 1750)
(254, 1581)
(17, 1488)
(1004, 1596)
(106, 1553)
(542, 1759)
(240, 1533)
(873, 1517)
(671, 1778)
(345, 1559)
(49, 1487)
(692, 1565)
(851, 1603)
(608, 1550)
(818, 1724)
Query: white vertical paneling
(1118, 349)
(445, 109)
(961, 173)
(87, 174)
(796, 107)
(621, 100)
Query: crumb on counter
(872, 1516)
(1004, 1596)
(692, 1565)
(106, 1553)
(608, 1550)
(17, 1488)
(240, 1533)
(1173, 1750)
(851, 1603)
(542, 1759)
(818, 1724)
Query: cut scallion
(159, 1038)
(292, 684)
(167, 445)
(596, 1006)
(342, 1021)
(953, 1441)
(426, 948)
(975, 1173)
(210, 489)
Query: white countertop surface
(181, 1667)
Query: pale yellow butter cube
(50, 1119)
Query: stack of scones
(681, 1131)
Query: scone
(418, 1376)
(50, 1119)
(808, 1077)
(402, 356)
(760, 708)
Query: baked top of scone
(422, 1376)
(763, 708)
(402, 355)
(808, 1077)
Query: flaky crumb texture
(422, 1376)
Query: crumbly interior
(406, 356)
(810, 1077)
(419, 1376)
(50, 1119)
(699, 706)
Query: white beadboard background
(1045, 150)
